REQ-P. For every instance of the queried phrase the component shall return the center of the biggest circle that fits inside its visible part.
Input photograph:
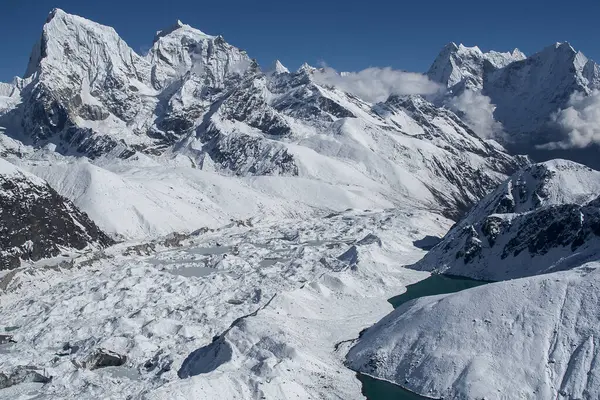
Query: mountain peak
(305, 68)
(518, 53)
(53, 13)
(465, 49)
(460, 64)
(564, 46)
(277, 68)
(450, 46)
(180, 27)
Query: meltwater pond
(435, 284)
(376, 389)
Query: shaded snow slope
(530, 338)
(527, 92)
(524, 93)
(545, 217)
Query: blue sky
(347, 35)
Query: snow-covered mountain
(526, 91)
(460, 67)
(545, 218)
(36, 222)
(195, 101)
(529, 338)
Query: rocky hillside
(544, 218)
(36, 222)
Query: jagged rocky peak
(277, 68)
(36, 222)
(78, 44)
(177, 26)
(182, 50)
(306, 69)
(458, 64)
(548, 211)
(81, 72)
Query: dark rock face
(567, 225)
(369, 239)
(35, 222)
(247, 104)
(350, 256)
(22, 374)
(246, 155)
(159, 364)
(103, 358)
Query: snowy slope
(529, 338)
(543, 218)
(36, 222)
(133, 201)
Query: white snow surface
(9, 171)
(299, 298)
(145, 199)
(529, 338)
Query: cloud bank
(377, 84)
(477, 111)
(580, 122)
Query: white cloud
(377, 84)
(579, 122)
(477, 111)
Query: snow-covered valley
(270, 310)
